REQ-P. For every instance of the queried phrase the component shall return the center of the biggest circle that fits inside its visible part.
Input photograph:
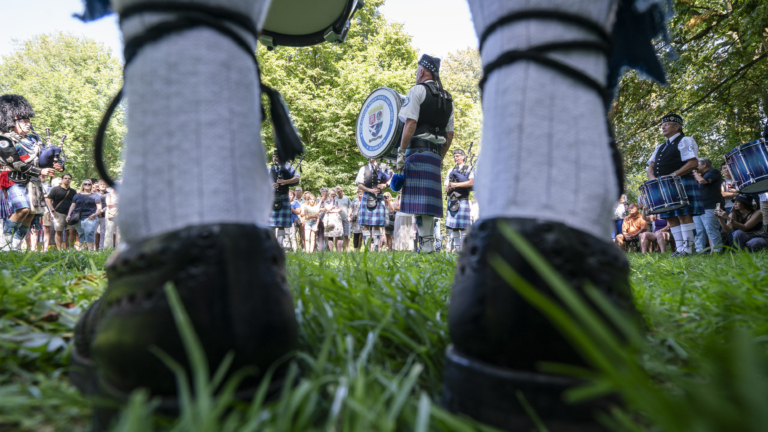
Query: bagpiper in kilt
(371, 179)
(679, 155)
(20, 183)
(458, 185)
(427, 135)
(283, 175)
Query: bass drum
(379, 130)
(299, 23)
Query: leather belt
(418, 143)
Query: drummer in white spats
(678, 155)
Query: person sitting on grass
(660, 235)
(633, 226)
(746, 223)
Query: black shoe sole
(491, 394)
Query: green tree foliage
(69, 81)
(325, 86)
(717, 71)
(460, 72)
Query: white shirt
(361, 175)
(687, 146)
(412, 106)
(471, 174)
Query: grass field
(373, 328)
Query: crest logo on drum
(375, 123)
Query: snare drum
(664, 194)
(748, 164)
(379, 130)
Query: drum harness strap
(537, 53)
(192, 16)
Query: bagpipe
(456, 194)
(52, 154)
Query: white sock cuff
(675, 229)
(688, 227)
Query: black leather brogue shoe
(499, 338)
(231, 280)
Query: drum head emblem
(375, 124)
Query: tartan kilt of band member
(17, 198)
(423, 192)
(5, 206)
(695, 205)
(281, 218)
(376, 217)
(460, 219)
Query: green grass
(373, 329)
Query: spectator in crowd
(60, 200)
(660, 235)
(113, 233)
(710, 184)
(390, 214)
(100, 188)
(48, 227)
(298, 196)
(633, 225)
(729, 189)
(88, 205)
(345, 204)
(619, 213)
(746, 224)
(293, 235)
(764, 204)
(334, 229)
(322, 201)
(357, 232)
(404, 234)
(310, 212)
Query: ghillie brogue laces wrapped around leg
(231, 280)
(499, 338)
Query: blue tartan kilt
(459, 219)
(376, 217)
(17, 198)
(281, 218)
(695, 205)
(5, 206)
(423, 192)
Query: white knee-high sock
(688, 233)
(427, 233)
(194, 124)
(456, 238)
(545, 135)
(677, 234)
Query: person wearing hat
(679, 155)
(745, 222)
(20, 182)
(427, 135)
(372, 179)
(458, 185)
(283, 176)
